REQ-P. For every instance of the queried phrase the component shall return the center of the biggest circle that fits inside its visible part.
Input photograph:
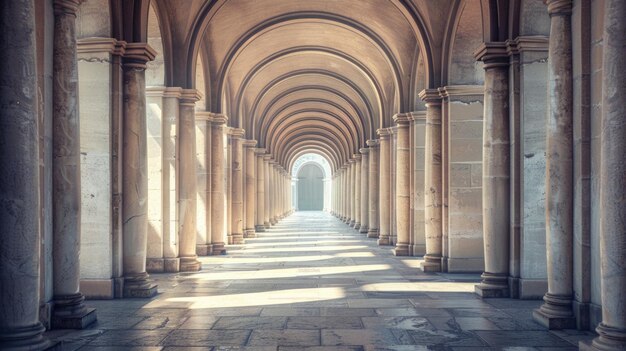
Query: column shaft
(384, 193)
(374, 171)
(236, 236)
(556, 312)
(496, 164)
(69, 307)
(260, 191)
(20, 244)
(268, 195)
(187, 195)
(402, 186)
(612, 329)
(135, 172)
(432, 182)
(218, 185)
(250, 203)
(364, 190)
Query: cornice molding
(159, 91)
(402, 119)
(493, 54)
(249, 143)
(537, 43)
(373, 143)
(364, 150)
(218, 118)
(461, 90)
(137, 55)
(111, 46)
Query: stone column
(372, 206)
(364, 190)
(402, 185)
(69, 307)
(20, 244)
(268, 195)
(237, 186)
(135, 172)
(187, 195)
(496, 168)
(344, 192)
(556, 312)
(260, 190)
(356, 203)
(384, 193)
(218, 185)
(612, 329)
(272, 192)
(432, 181)
(250, 203)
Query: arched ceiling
(308, 76)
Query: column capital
(534, 43)
(137, 55)
(430, 96)
(402, 119)
(373, 143)
(418, 116)
(356, 157)
(267, 157)
(174, 92)
(189, 97)
(259, 151)
(461, 90)
(493, 54)
(218, 118)
(559, 7)
(66, 7)
(384, 133)
(99, 45)
(203, 116)
(249, 143)
(364, 150)
(236, 133)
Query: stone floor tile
(379, 303)
(405, 311)
(118, 348)
(133, 337)
(358, 337)
(290, 337)
(250, 323)
(199, 322)
(321, 348)
(521, 338)
(326, 322)
(411, 322)
(341, 311)
(290, 311)
(397, 348)
(475, 323)
(447, 338)
(160, 322)
(187, 337)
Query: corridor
(313, 283)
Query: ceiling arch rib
(311, 133)
(315, 62)
(306, 156)
(326, 107)
(310, 79)
(306, 146)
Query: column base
(609, 339)
(138, 286)
(401, 250)
(236, 239)
(556, 312)
(266, 225)
(70, 312)
(372, 233)
(430, 267)
(273, 221)
(171, 265)
(259, 228)
(154, 265)
(419, 250)
(383, 240)
(190, 264)
(249, 233)
(26, 339)
(219, 249)
(363, 229)
(352, 223)
(357, 225)
(493, 286)
(203, 249)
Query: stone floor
(312, 283)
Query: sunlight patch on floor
(288, 272)
(306, 249)
(421, 287)
(266, 298)
(218, 260)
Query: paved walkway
(312, 283)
